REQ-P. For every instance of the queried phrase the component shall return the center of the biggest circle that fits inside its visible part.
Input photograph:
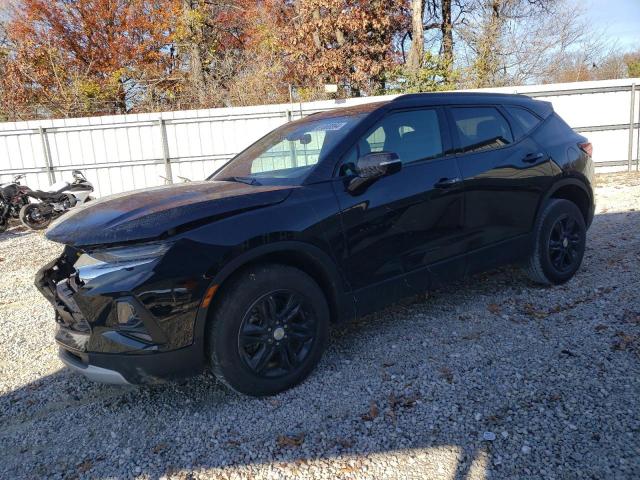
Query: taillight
(586, 148)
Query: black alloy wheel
(560, 240)
(267, 329)
(565, 244)
(277, 334)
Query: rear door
(505, 172)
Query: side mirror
(372, 167)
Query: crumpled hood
(152, 212)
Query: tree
(348, 42)
(416, 53)
(89, 56)
(512, 42)
(211, 38)
(632, 61)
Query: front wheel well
(306, 263)
(576, 195)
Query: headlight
(98, 262)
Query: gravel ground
(491, 377)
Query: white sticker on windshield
(328, 127)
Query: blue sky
(619, 18)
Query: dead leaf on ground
(85, 466)
(494, 308)
(372, 413)
(447, 374)
(531, 311)
(624, 341)
(161, 447)
(290, 440)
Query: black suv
(322, 220)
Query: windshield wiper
(247, 180)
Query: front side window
(413, 135)
(287, 155)
(481, 128)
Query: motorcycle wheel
(32, 217)
(4, 224)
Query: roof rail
(408, 96)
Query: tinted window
(413, 135)
(481, 128)
(527, 120)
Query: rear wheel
(559, 244)
(32, 216)
(268, 331)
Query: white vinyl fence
(126, 152)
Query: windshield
(287, 155)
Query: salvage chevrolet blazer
(322, 220)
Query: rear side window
(481, 128)
(527, 120)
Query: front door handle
(447, 182)
(533, 157)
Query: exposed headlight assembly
(99, 262)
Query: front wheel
(268, 331)
(32, 216)
(560, 240)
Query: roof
(435, 99)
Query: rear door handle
(533, 157)
(447, 182)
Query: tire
(31, 217)
(4, 224)
(248, 326)
(560, 240)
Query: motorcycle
(58, 199)
(13, 197)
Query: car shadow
(464, 382)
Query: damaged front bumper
(130, 325)
(97, 374)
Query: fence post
(631, 122)
(165, 151)
(47, 154)
(638, 144)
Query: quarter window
(527, 120)
(481, 128)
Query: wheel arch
(576, 190)
(305, 257)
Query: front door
(409, 223)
